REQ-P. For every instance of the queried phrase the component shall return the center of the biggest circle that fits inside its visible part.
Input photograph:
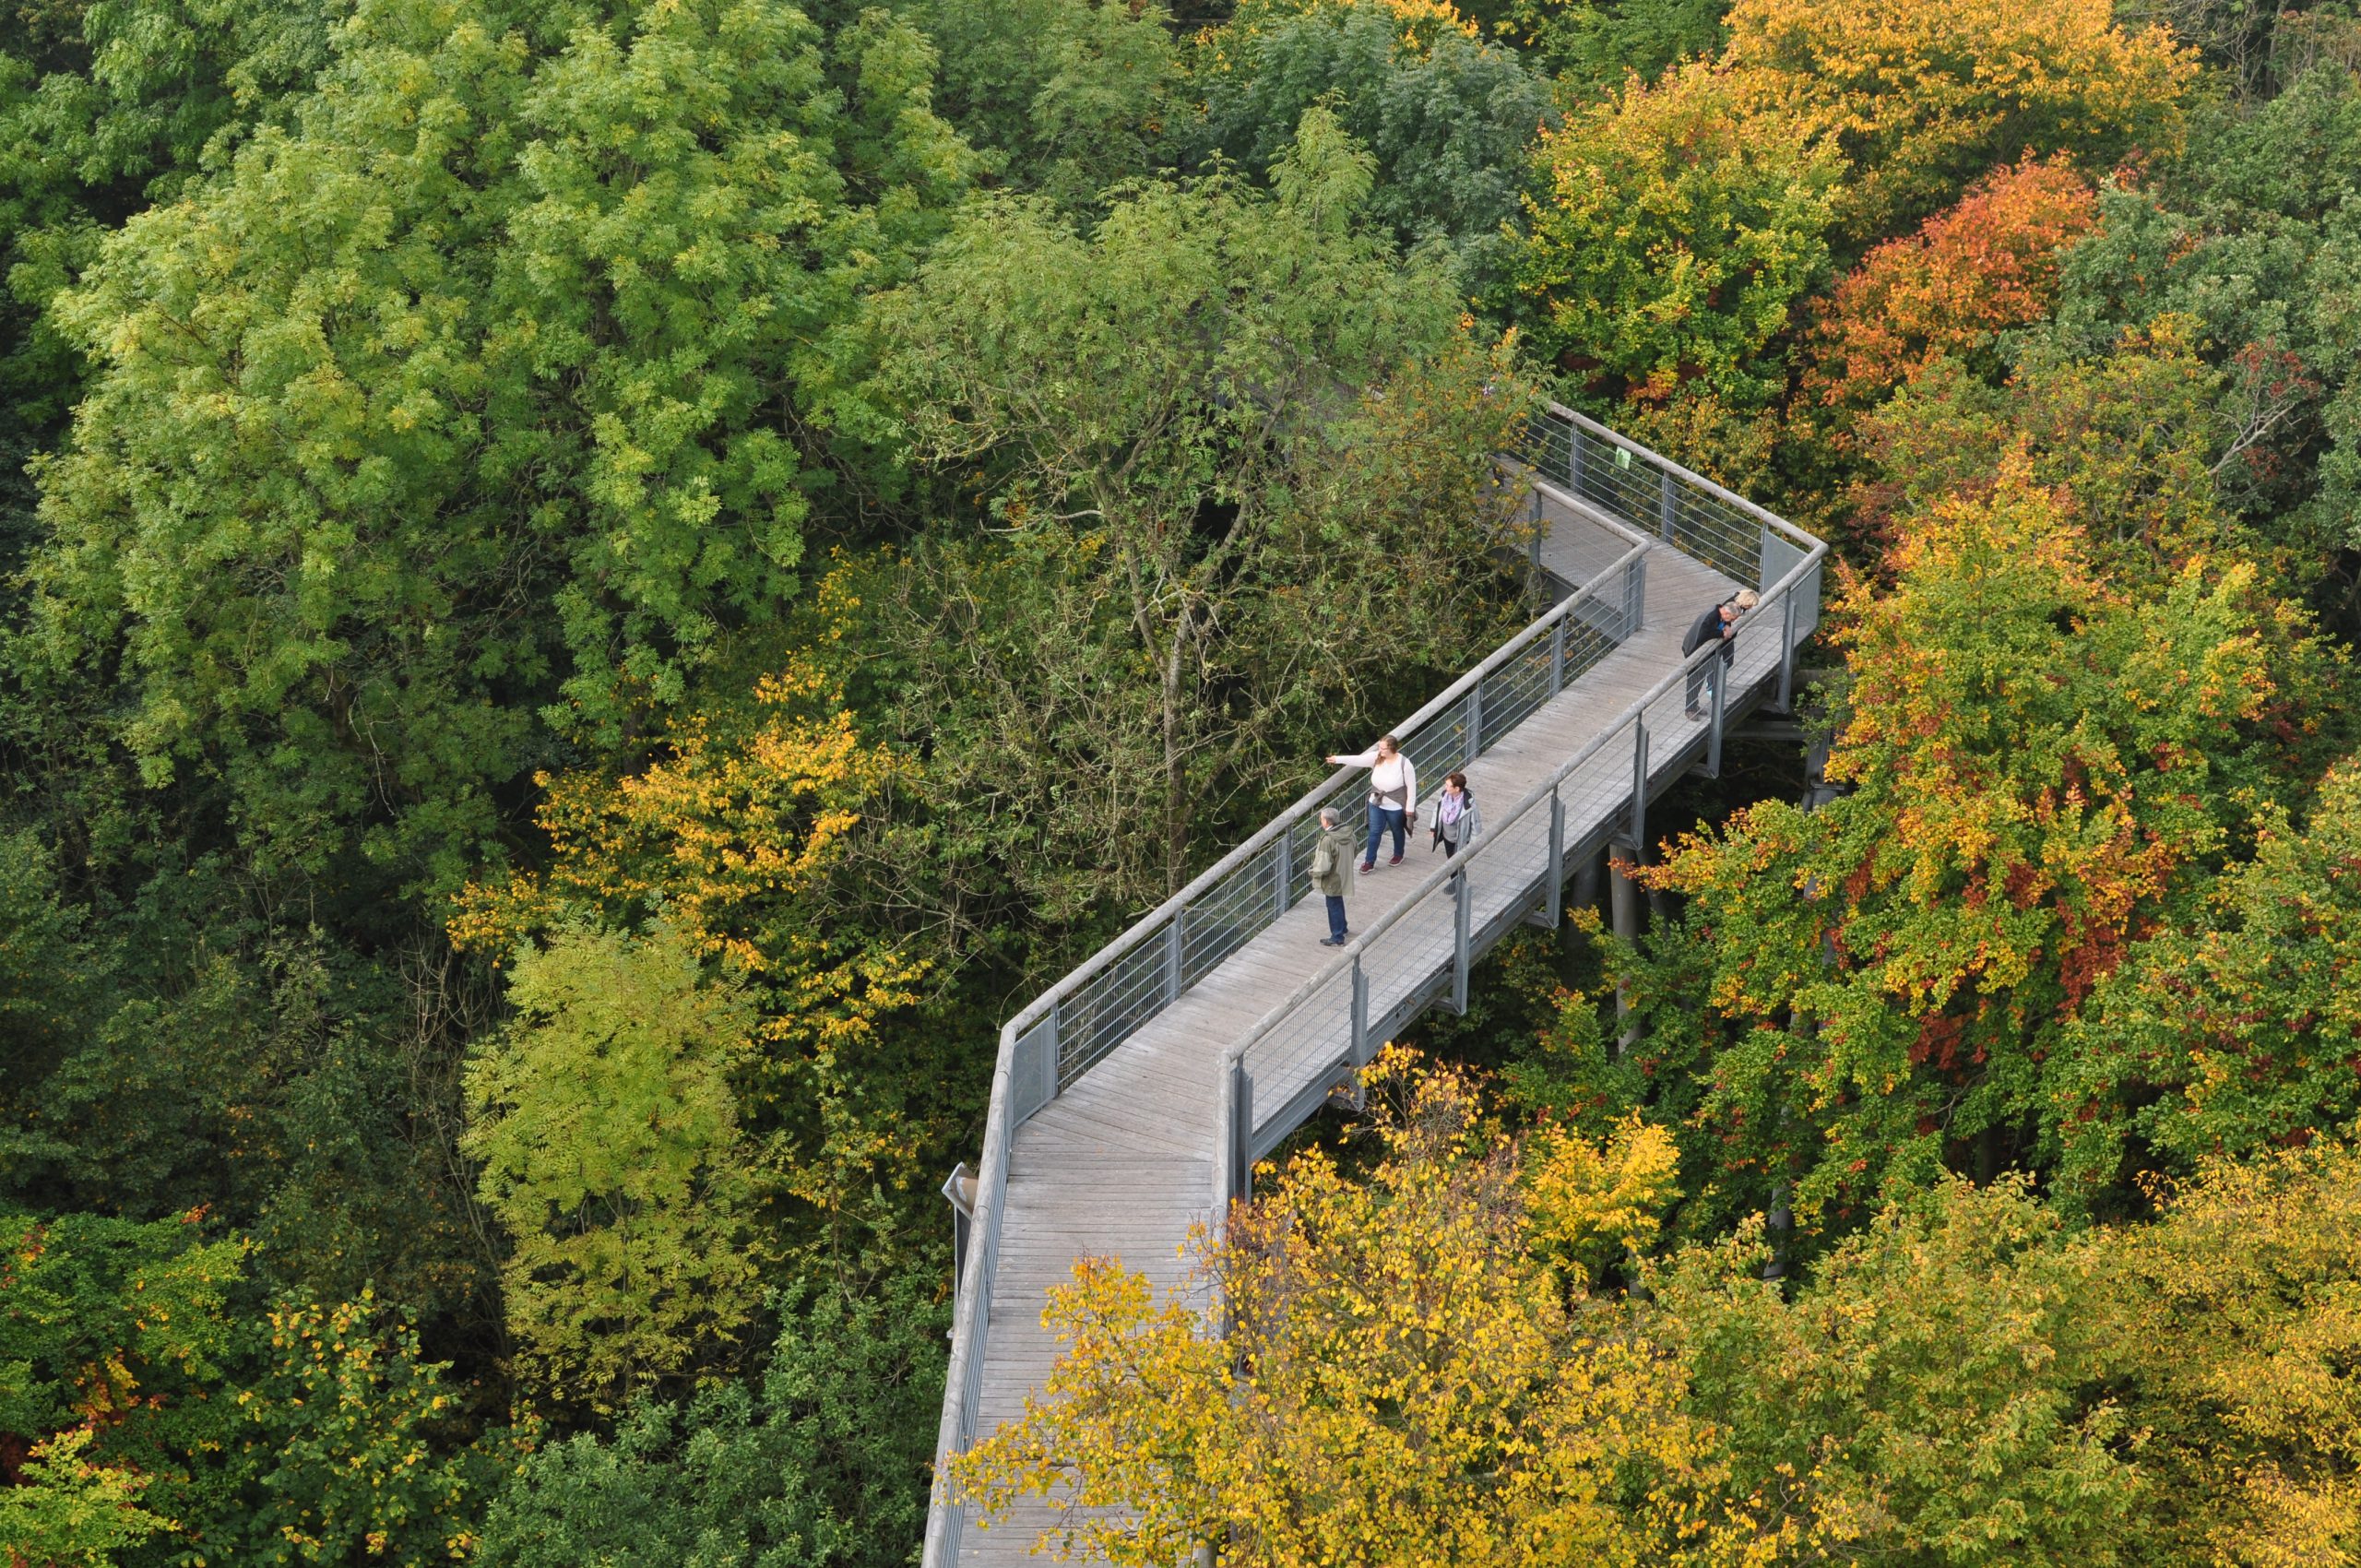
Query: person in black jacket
(1720, 621)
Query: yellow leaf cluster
(1400, 1382)
(1925, 95)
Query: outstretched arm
(1355, 759)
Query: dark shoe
(1332, 941)
(1696, 713)
(1394, 861)
(1369, 865)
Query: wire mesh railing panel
(1102, 1014)
(1229, 915)
(1310, 1034)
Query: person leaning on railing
(1392, 795)
(1720, 622)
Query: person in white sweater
(1392, 794)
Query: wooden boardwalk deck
(1124, 1162)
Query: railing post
(1553, 895)
(1474, 723)
(1666, 507)
(1172, 956)
(1788, 652)
(1635, 598)
(1055, 1047)
(1240, 1130)
(1460, 916)
(1720, 678)
(1574, 459)
(959, 1190)
(1558, 657)
(1359, 1039)
(1640, 782)
(1284, 854)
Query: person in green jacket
(1332, 872)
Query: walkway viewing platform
(1130, 1101)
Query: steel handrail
(1770, 519)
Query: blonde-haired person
(1720, 621)
(1392, 794)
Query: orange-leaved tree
(1971, 272)
(1402, 1380)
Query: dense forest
(597, 590)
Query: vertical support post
(1283, 853)
(1666, 507)
(1053, 1052)
(1635, 598)
(1240, 1130)
(1788, 652)
(959, 1190)
(1553, 896)
(1474, 723)
(1640, 782)
(1558, 655)
(1172, 956)
(1359, 1039)
(1623, 908)
(1574, 459)
(1720, 678)
(1460, 917)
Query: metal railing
(1421, 949)
(1075, 1024)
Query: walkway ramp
(1131, 1100)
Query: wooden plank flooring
(1121, 1165)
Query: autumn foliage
(1925, 98)
(2043, 769)
(1971, 272)
(1403, 1378)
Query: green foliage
(1672, 239)
(1065, 98)
(301, 1434)
(488, 327)
(1594, 45)
(2131, 441)
(2236, 1031)
(2253, 241)
(1912, 1393)
(355, 1457)
(75, 1512)
(820, 1461)
(1192, 404)
(1447, 118)
(603, 1123)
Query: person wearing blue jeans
(1332, 872)
(1392, 794)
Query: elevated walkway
(1130, 1101)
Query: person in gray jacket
(1332, 872)
(1452, 819)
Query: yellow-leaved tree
(1402, 1378)
(738, 837)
